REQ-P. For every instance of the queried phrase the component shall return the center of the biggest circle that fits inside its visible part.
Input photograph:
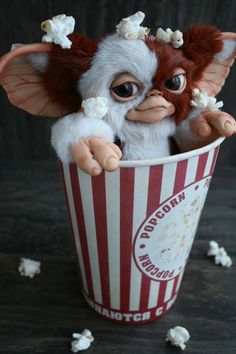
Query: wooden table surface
(39, 315)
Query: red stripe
(201, 166)
(180, 176)
(153, 202)
(145, 291)
(162, 291)
(99, 202)
(216, 151)
(126, 225)
(81, 226)
(154, 188)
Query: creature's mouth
(150, 114)
(152, 108)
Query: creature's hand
(94, 154)
(211, 125)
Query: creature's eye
(125, 87)
(128, 89)
(176, 83)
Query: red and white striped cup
(134, 229)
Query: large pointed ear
(23, 83)
(42, 78)
(213, 54)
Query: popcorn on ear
(168, 36)
(129, 27)
(58, 28)
(202, 100)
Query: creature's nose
(154, 92)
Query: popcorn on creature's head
(58, 28)
(129, 27)
(174, 38)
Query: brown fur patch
(201, 43)
(64, 69)
(168, 60)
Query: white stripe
(112, 181)
(209, 163)
(141, 181)
(87, 201)
(168, 181)
(167, 188)
(74, 224)
(191, 170)
(153, 294)
(179, 281)
(214, 164)
(169, 289)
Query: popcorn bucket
(134, 230)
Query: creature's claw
(214, 124)
(95, 154)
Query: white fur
(147, 141)
(184, 136)
(72, 129)
(39, 61)
(139, 140)
(228, 49)
(117, 55)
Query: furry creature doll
(152, 88)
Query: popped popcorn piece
(129, 27)
(221, 256)
(213, 248)
(28, 267)
(82, 341)
(202, 100)
(95, 107)
(168, 36)
(58, 28)
(178, 336)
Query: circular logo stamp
(163, 242)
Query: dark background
(23, 137)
